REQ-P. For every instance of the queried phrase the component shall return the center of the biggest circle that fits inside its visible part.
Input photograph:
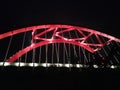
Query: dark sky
(99, 15)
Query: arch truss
(76, 44)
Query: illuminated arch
(58, 38)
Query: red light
(58, 38)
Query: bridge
(59, 46)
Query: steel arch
(76, 41)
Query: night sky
(99, 15)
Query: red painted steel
(60, 38)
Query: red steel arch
(60, 39)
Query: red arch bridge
(59, 46)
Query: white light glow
(65, 39)
(57, 34)
(22, 64)
(113, 67)
(7, 64)
(46, 64)
(59, 65)
(32, 44)
(1, 63)
(33, 64)
(16, 64)
(68, 65)
(50, 40)
(19, 64)
(79, 65)
(95, 66)
(36, 64)
(30, 64)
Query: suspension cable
(23, 42)
(79, 47)
(7, 49)
(46, 50)
(83, 50)
(65, 51)
(40, 55)
(56, 49)
(34, 50)
(52, 53)
(75, 53)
